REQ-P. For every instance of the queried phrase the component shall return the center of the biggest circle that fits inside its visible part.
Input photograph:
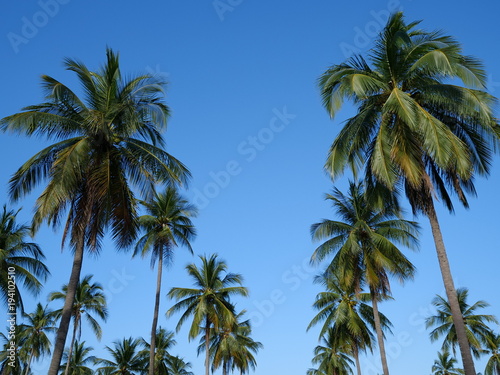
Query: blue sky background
(242, 72)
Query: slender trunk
(224, 368)
(152, 347)
(29, 362)
(207, 346)
(72, 345)
(378, 329)
(62, 332)
(355, 354)
(451, 293)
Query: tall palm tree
(364, 248)
(492, 348)
(476, 325)
(331, 358)
(19, 259)
(232, 347)
(89, 299)
(106, 144)
(347, 313)
(177, 366)
(79, 361)
(445, 365)
(415, 128)
(209, 301)
(164, 342)
(167, 225)
(126, 359)
(35, 328)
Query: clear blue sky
(247, 121)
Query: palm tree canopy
(105, 141)
(80, 360)
(413, 125)
(331, 358)
(35, 328)
(167, 224)
(445, 365)
(492, 348)
(89, 300)
(476, 325)
(210, 297)
(18, 258)
(126, 360)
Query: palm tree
(347, 313)
(89, 299)
(18, 259)
(105, 145)
(415, 128)
(35, 329)
(126, 360)
(476, 326)
(12, 358)
(167, 225)
(331, 358)
(364, 247)
(232, 348)
(209, 302)
(80, 359)
(164, 342)
(445, 365)
(177, 366)
(492, 348)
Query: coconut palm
(331, 358)
(106, 145)
(445, 365)
(126, 359)
(233, 348)
(80, 359)
(476, 325)
(415, 127)
(492, 348)
(35, 328)
(89, 300)
(209, 301)
(344, 310)
(164, 342)
(167, 225)
(177, 366)
(13, 358)
(364, 248)
(21, 262)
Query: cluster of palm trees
(416, 132)
(107, 163)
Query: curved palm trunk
(451, 292)
(152, 347)
(378, 329)
(72, 345)
(207, 346)
(62, 332)
(29, 362)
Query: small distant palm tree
(167, 225)
(492, 349)
(13, 365)
(164, 342)
(209, 301)
(126, 360)
(445, 365)
(363, 244)
(177, 366)
(20, 259)
(37, 325)
(331, 358)
(89, 299)
(80, 359)
(475, 324)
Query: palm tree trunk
(62, 332)
(355, 354)
(451, 292)
(378, 329)
(29, 362)
(76, 321)
(152, 347)
(207, 346)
